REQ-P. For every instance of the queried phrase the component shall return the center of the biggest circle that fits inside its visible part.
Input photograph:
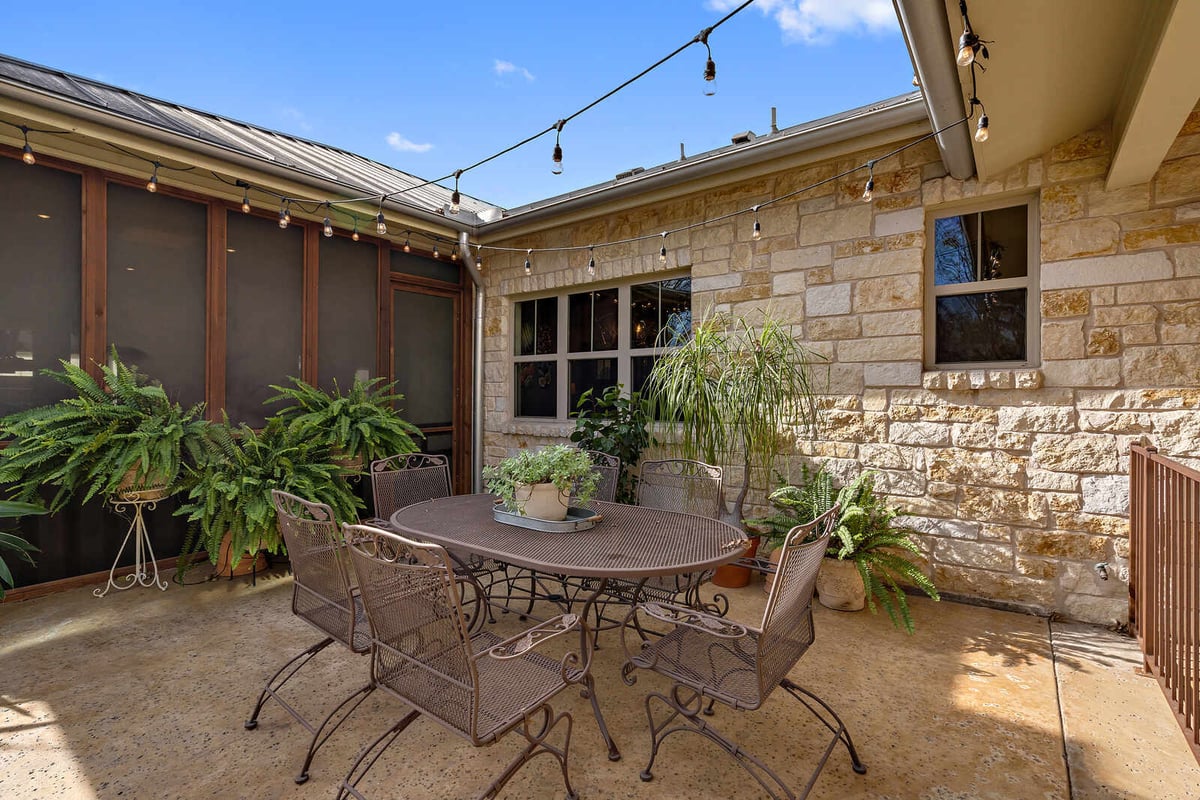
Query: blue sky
(430, 87)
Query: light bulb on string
(436, 254)
(981, 129)
(407, 246)
(662, 251)
(27, 151)
(152, 184)
(327, 225)
(380, 223)
(354, 234)
(869, 190)
(454, 253)
(970, 46)
(478, 257)
(710, 66)
(556, 165)
(245, 196)
(756, 232)
(455, 197)
(528, 264)
(592, 260)
(284, 216)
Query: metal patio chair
(711, 658)
(608, 468)
(479, 687)
(401, 480)
(324, 597)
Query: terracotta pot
(347, 463)
(839, 586)
(731, 576)
(150, 487)
(542, 501)
(249, 562)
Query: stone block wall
(1017, 479)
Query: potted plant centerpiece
(738, 391)
(868, 555)
(360, 426)
(228, 496)
(541, 483)
(111, 437)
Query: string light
(327, 226)
(380, 223)
(245, 196)
(756, 233)
(27, 151)
(436, 254)
(528, 265)
(981, 129)
(454, 253)
(354, 235)
(407, 246)
(662, 251)
(285, 216)
(969, 44)
(592, 260)
(152, 184)
(556, 160)
(710, 66)
(869, 190)
(455, 197)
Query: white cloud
(297, 118)
(820, 21)
(404, 145)
(502, 68)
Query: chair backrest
(787, 629)
(608, 470)
(401, 480)
(420, 648)
(321, 590)
(678, 484)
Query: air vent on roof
(743, 137)
(630, 173)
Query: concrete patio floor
(142, 694)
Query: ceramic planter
(249, 562)
(542, 500)
(839, 586)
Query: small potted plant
(122, 434)
(228, 496)
(541, 483)
(868, 555)
(360, 426)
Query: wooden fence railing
(1164, 586)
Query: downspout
(464, 245)
(930, 45)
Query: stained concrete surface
(142, 694)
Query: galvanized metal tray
(578, 519)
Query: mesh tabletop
(628, 542)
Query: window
(982, 298)
(568, 344)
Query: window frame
(624, 352)
(1031, 281)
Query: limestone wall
(1017, 478)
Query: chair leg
(272, 688)
(841, 733)
(537, 745)
(317, 739)
(684, 704)
(370, 755)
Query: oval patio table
(629, 543)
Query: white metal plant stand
(140, 500)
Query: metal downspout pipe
(464, 245)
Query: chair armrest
(516, 646)
(691, 618)
(377, 522)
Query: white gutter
(221, 153)
(931, 47)
(786, 143)
(464, 246)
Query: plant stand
(140, 500)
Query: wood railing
(1164, 586)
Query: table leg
(589, 683)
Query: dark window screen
(157, 270)
(347, 309)
(40, 257)
(423, 353)
(264, 299)
(422, 266)
(989, 326)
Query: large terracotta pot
(249, 562)
(542, 501)
(839, 586)
(150, 487)
(731, 576)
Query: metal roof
(306, 157)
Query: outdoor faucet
(1102, 570)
